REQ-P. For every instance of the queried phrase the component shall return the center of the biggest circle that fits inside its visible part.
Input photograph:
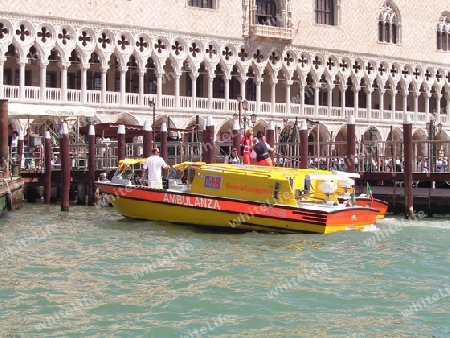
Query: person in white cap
(153, 165)
(233, 158)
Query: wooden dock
(426, 200)
(11, 193)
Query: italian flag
(369, 192)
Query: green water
(91, 273)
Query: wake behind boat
(242, 197)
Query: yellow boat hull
(215, 214)
(249, 198)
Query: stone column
(356, 89)
(273, 84)
(43, 80)
(141, 86)
(123, 73)
(194, 90)
(258, 94)
(330, 98)
(84, 68)
(227, 93)
(369, 92)
(343, 91)
(316, 98)
(103, 94)
(288, 96)
(393, 108)
(177, 90)
(159, 74)
(22, 62)
(210, 90)
(64, 66)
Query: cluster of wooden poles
(208, 151)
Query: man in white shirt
(153, 164)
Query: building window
(325, 12)
(388, 24)
(251, 90)
(266, 12)
(94, 80)
(7, 77)
(28, 78)
(73, 81)
(203, 3)
(50, 79)
(443, 35)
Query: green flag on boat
(369, 192)
(353, 198)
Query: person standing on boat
(153, 165)
(233, 158)
(247, 146)
(261, 151)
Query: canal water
(91, 273)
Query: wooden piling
(408, 160)
(303, 145)
(236, 137)
(163, 140)
(65, 166)
(81, 193)
(91, 165)
(205, 146)
(4, 149)
(121, 145)
(208, 141)
(351, 145)
(270, 137)
(48, 168)
(147, 139)
(20, 144)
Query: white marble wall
(356, 32)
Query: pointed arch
(389, 23)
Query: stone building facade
(320, 60)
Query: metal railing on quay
(429, 156)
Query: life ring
(9, 201)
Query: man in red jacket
(247, 146)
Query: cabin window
(291, 182)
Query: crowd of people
(33, 151)
(254, 150)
